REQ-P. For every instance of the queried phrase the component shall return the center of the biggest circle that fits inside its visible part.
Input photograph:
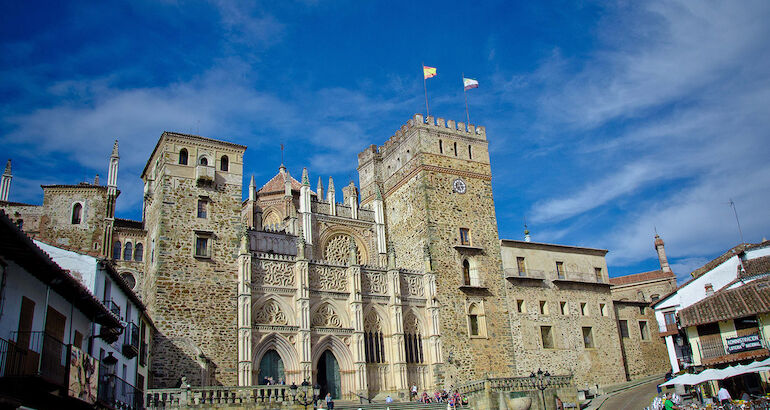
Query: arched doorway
(329, 375)
(271, 365)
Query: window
(412, 347)
(129, 279)
(116, 250)
(455, 149)
(643, 331)
(543, 307)
(473, 320)
(564, 308)
(77, 211)
(20, 224)
(583, 309)
(440, 146)
(203, 161)
(654, 297)
(641, 310)
(128, 251)
(520, 265)
(588, 338)
(466, 273)
(224, 163)
(623, 328)
(560, 270)
(203, 244)
(78, 339)
(138, 251)
(470, 153)
(603, 309)
(521, 307)
(183, 157)
(464, 237)
(670, 318)
(26, 315)
(598, 273)
(546, 336)
(203, 205)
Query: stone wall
(29, 215)
(56, 225)
(643, 356)
(644, 291)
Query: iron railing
(35, 354)
(112, 306)
(118, 393)
(716, 346)
(131, 340)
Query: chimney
(709, 289)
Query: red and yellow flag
(428, 72)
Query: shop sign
(743, 343)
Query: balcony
(131, 341)
(116, 393)
(204, 174)
(528, 275)
(715, 350)
(584, 278)
(112, 306)
(34, 354)
(668, 329)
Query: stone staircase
(396, 405)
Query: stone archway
(340, 351)
(328, 375)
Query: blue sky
(606, 120)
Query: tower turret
(304, 208)
(659, 247)
(5, 184)
(320, 190)
(331, 199)
(112, 195)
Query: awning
(717, 374)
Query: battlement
(418, 121)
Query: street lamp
(540, 381)
(304, 390)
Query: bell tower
(436, 185)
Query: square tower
(435, 178)
(192, 204)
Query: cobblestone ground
(635, 398)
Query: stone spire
(320, 190)
(659, 247)
(112, 171)
(252, 189)
(305, 177)
(286, 181)
(5, 184)
(527, 238)
(305, 209)
(331, 199)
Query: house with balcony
(732, 326)
(732, 269)
(124, 375)
(47, 322)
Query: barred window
(413, 346)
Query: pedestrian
(723, 395)
(388, 399)
(329, 401)
(668, 404)
(414, 392)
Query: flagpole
(465, 93)
(425, 87)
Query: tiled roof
(276, 184)
(641, 277)
(720, 259)
(749, 299)
(756, 266)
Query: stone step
(396, 405)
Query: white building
(46, 325)
(127, 381)
(717, 274)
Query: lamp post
(304, 390)
(540, 381)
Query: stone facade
(561, 311)
(644, 351)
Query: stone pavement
(634, 395)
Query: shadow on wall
(181, 358)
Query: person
(559, 404)
(723, 395)
(388, 399)
(668, 404)
(414, 391)
(329, 401)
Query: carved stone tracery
(338, 250)
(270, 313)
(373, 282)
(273, 273)
(326, 316)
(330, 278)
(412, 284)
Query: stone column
(301, 270)
(304, 208)
(379, 221)
(244, 313)
(357, 310)
(396, 324)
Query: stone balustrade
(278, 395)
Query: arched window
(224, 163)
(203, 161)
(183, 157)
(129, 278)
(116, 250)
(466, 273)
(474, 320)
(77, 211)
(374, 346)
(128, 251)
(138, 251)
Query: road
(635, 398)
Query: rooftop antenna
(732, 204)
